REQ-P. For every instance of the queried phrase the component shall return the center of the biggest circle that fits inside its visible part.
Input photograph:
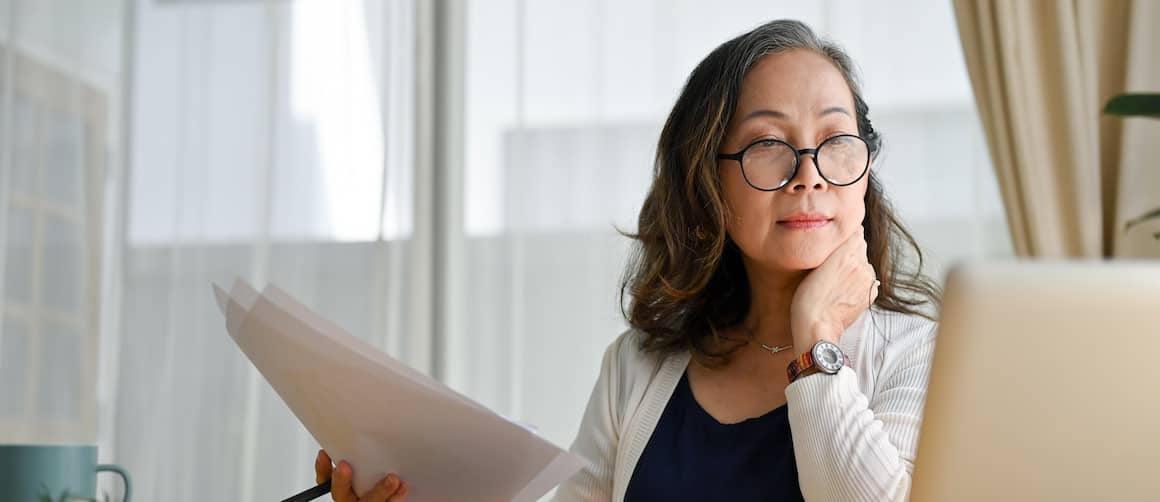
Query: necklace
(776, 349)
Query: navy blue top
(692, 456)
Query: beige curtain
(1041, 72)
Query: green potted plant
(1136, 105)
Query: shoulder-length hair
(686, 281)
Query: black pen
(310, 493)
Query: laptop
(1045, 385)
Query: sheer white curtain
(60, 75)
(271, 141)
(268, 140)
(564, 103)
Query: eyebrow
(779, 115)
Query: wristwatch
(825, 357)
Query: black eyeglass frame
(797, 161)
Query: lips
(804, 221)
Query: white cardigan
(854, 433)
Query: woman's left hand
(389, 489)
(833, 295)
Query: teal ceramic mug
(52, 473)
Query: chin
(791, 256)
(797, 263)
(791, 261)
(798, 255)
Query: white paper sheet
(382, 416)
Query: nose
(808, 175)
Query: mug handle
(121, 472)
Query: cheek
(852, 208)
(746, 206)
(855, 202)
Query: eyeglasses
(770, 164)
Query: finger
(322, 467)
(401, 494)
(870, 275)
(340, 483)
(860, 240)
(382, 490)
(855, 244)
(848, 249)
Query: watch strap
(795, 375)
(804, 365)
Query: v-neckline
(685, 386)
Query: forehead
(795, 82)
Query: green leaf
(1134, 105)
(1155, 213)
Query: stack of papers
(382, 416)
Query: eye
(835, 135)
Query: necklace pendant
(774, 350)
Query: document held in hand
(382, 416)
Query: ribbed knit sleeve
(851, 447)
(598, 438)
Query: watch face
(828, 357)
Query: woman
(779, 347)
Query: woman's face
(798, 97)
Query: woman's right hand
(388, 489)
